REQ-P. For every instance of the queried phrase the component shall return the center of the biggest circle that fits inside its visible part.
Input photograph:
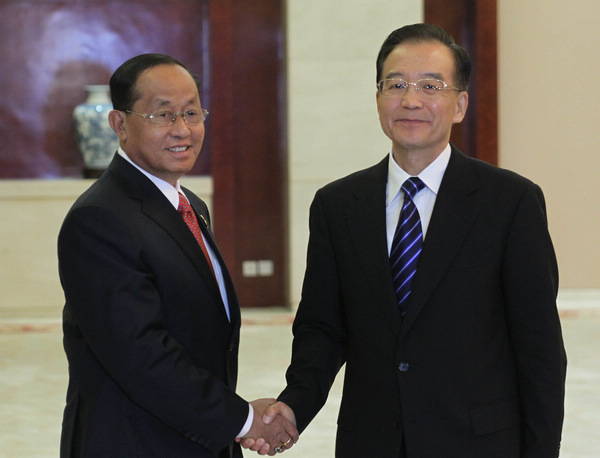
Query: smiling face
(420, 125)
(165, 152)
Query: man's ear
(116, 119)
(462, 102)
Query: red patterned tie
(190, 219)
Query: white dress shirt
(424, 200)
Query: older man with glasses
(151, 320)
(432, 277)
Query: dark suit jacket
(476, 368)
(152, 355)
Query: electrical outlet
(265, 267)
(249, 268)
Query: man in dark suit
(151, 320)
(469, 360)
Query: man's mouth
(178, 149)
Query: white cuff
(248, 423)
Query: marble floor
(33, 378)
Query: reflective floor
(33, 378)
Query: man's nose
(411, 98)
(180, 125)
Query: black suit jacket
(476, 367)
(152, 355)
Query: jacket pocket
(495, 417)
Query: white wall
(333, 124)
(31, 213)
(549, 96)
(548, 123)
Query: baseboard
(31, 313)
(569, 300)
(579, 299)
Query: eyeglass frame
(150, 116)
(414, 83)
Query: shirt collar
(170, 192)
(432, 175)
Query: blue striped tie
(407, 243)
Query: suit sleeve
(319, 346)
(113, 300)
(530, 278)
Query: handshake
(273, 428)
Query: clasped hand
(273, 428)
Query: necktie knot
(412, 186)
(184, 205)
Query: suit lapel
(455, 210)
(170, 221)
(204, 222)
(367, 223)
(157, 207)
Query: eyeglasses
(397, 86)
(167, 118)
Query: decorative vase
(96, 139)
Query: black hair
(122, 83)
(424, 33)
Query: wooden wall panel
(249, 145)
(473, 25)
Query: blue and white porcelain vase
(96, 139)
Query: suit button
(396, 423)
(403, 367)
